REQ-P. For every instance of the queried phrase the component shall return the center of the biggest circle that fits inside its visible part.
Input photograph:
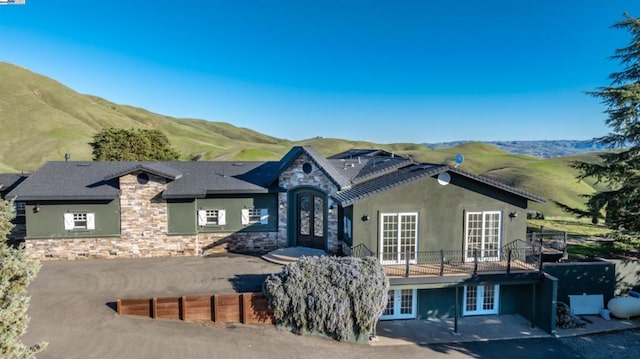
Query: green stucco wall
(441, 212)
(48, 222)
(546, 294)
(183, 215)
(438, 303)
(517, 299)
(579, 278)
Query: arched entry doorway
(309, 220)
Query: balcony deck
(452, 269)
(516, 257)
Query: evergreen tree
(17, 270)
(115, 144)
(620, 170)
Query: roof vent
(67, 157)
(238, 164)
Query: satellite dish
(444, 178)
(459, 159)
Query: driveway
(71, 308)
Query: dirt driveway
(69, 309)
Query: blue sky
(381, 71)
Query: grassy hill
(42, 120)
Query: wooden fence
(221, 308)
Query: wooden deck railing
(515, 257)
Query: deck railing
(517, 256)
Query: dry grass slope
(42, 120)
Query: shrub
(339, 297)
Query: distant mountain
(41, 120)
(541, 149)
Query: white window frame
(479, 300)
(206, 217)
(255, 216)
(396, 300)
(483, 241)
(399, 257)
(73, 221)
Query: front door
(310, 219)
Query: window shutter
(202, 218)
(264, 216)
(91, 221)
(222, 217)
(245, 216)
(68, 221)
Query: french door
(483, 235)
(481, 300)
(398, 237)
(401, 304)
(310, 219)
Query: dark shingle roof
(9, 181)
(384, 183)
(411, 173)
(69, 180)
(156, 168)
(98, 180)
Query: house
(453, 243)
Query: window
(401, 304)
(399, 237)
(255, 216)
(20, 208)
(212, 217)
(79, 220)
(483, 235)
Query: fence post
(154, 308)
(441, 262)
(509, 261)
(406, 258)
(475, 261)
(183, 308)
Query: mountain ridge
(535, 148)
(42, 120)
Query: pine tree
(17, 270)
(620, 169)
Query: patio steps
(285, 256)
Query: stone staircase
(288, 255)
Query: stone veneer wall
(143, 232)
(294, 177)
(240, 242)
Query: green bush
(339, 297)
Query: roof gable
(156, 168)
(415, 172)
(322, 163)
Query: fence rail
(516, 256)
(221, 308)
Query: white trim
(68, 221)
(399, 258)
(480, 296)
(91, 221)
(245, 216)
(397, 305)
(222, 217)
(484, 256)
(202, 217)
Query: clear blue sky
(383, 71)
